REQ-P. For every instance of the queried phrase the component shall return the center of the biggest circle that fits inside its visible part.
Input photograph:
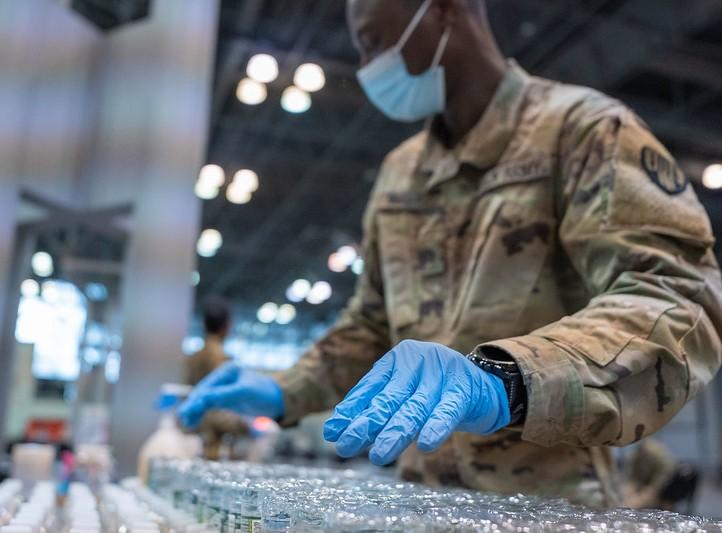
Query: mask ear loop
(443, 43)
(413, 24)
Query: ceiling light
(286, 314)
(96, 292)
(30, 288)
(42, 264)
(298, 290)
(51, 291)
(251, 92)
(205, 190)
(293, 297)
(246, 180)
(320, 292)
(712, 177)
(296, 101)
(358, 266)
(528, 29)
(267, 313)
(262, 68)
(212, 176)
(309, 77)
(238, 195)
(209, 242)
(347, 254)
(336, 263)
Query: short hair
(216, 314)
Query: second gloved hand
(231, 387)
(418, 391)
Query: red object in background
(48, 431)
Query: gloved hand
(417, 390)
(232, 387)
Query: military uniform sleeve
(340, 359)
(649, 339)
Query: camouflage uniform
(217, 423)
(561, 232)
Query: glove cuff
(490, 412)
(276, 400)
(512, 379)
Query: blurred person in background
(219, 428)
(216, 323)
(540, 228)
(654, 479)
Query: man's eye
(369, 44)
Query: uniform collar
(484, 145)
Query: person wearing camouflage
(531, 223)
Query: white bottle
(168, 441)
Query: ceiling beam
(250, 14)
(229, 74)
(613, 45)
(375, 141)
(689, 68)
(679, 127)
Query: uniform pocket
(506, 270)
(403, 233)
(608, 325)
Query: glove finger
(224, 397)
(444, 419)
(359, 398)
(363, 430)
(191, 413)
(225, 375)
(405, 425)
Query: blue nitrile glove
(418, 391)
(232, 387)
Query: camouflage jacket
(562, 232)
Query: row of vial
(130, 509)
(10, 499)
(80, 513)
(40, 514)
(35, 515)
(133, 508)
(241, 497)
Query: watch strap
(511, 376)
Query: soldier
(540, 228)
(216, 322)
(216, 424)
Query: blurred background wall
(107, 130)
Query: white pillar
(12, 26)
(174, 92)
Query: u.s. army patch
(663, 172)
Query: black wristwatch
(509, 373)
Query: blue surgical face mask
(398, 94)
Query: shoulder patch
(663, 172)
